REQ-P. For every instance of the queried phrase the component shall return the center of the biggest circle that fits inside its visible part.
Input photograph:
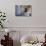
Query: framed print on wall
(23, 10)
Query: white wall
(37, 22)
(38, 18)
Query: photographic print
(23, 10)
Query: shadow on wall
(16, 43)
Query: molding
(24, 27)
